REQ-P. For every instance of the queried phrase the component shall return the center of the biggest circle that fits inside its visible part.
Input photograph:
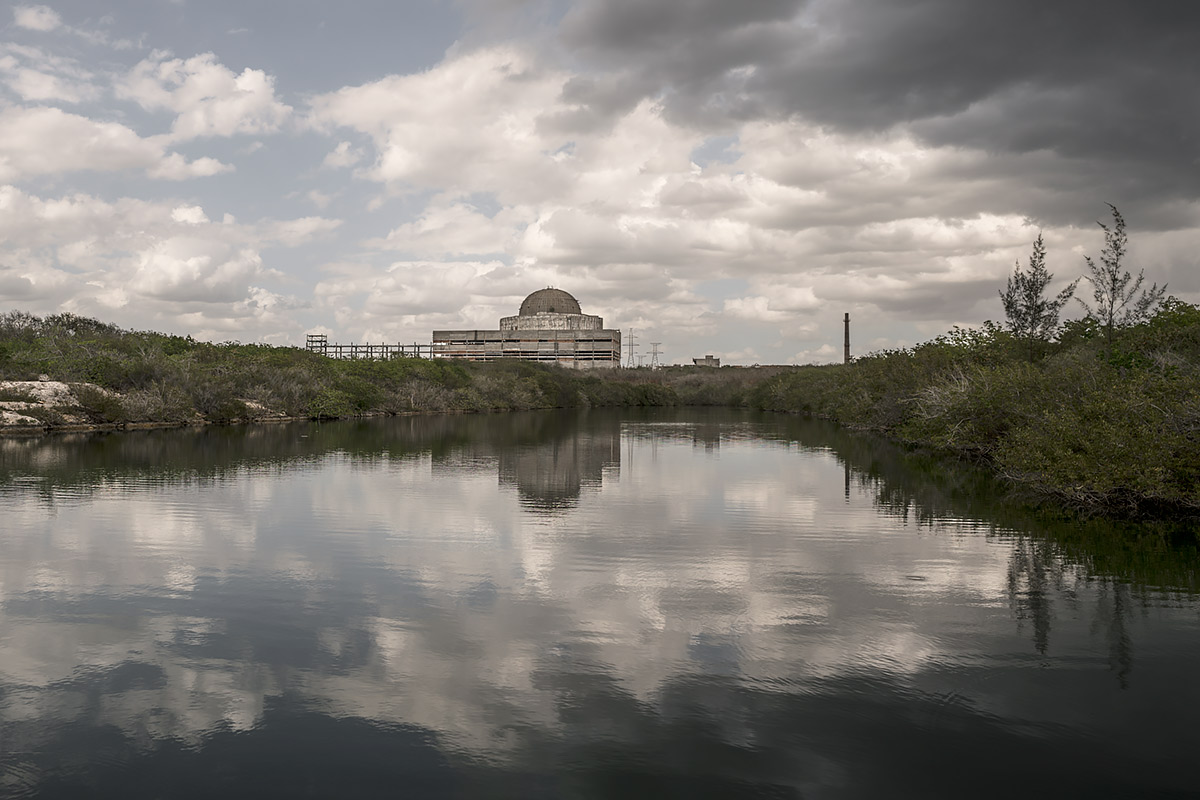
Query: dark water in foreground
(616, 604)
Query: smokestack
(846, 355)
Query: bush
(216, 402)
(97, 405)
(16, 396)
(160, 402)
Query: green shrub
(97, 405)
(216, 402)
(330, 404)
(160, 402)
(16, 396)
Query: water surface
(668, 603)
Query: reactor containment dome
(550, 327)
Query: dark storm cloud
(1101, 80)
(635, 25)
(685, 47)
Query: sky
(725, 178)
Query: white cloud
(42, 141)
(470, 124)
(619, 214)
(207, 97)
(190, 214)
(825, 354)
(318, 198)
(39, 86)
(410, 298)
(295, 232)
(456, 228)
(38, 76)
(783, 304)
(175, 167)
(344, 155)
(194, 269)
(136, 261)
(36, 18)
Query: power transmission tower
(654, 355)
(631, 346)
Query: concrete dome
(549, 301)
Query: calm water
(621, 604)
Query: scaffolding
(319, 343)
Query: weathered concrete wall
(568, 348)
(552, 322)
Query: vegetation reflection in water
(671, 601)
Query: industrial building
(550, 327)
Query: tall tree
(1119, 298)
(1032, 316)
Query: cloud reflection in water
(547, 604)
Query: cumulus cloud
(174, 167)
(37, 86)
(318, 198)
(193, 214)
(402, 302)
(130, 259)
(42, 141)
(455, 227)
(807, 209)
(781, 306)
(207, 97)
(195, 269)
(36, 75)
(471, 124)
(810, 215)
(36, 18)
(344, 155)
(1077, 80)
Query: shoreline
(1030, 492)
(49, 429)
(1074, 424)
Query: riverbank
(1110, 432)
(102, 375)
(1116, 432)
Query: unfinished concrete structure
(550, 327)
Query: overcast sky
(723, 177)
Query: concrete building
(708, 361)
(550, 327)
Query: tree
(1119, 298)
(1033, 317)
